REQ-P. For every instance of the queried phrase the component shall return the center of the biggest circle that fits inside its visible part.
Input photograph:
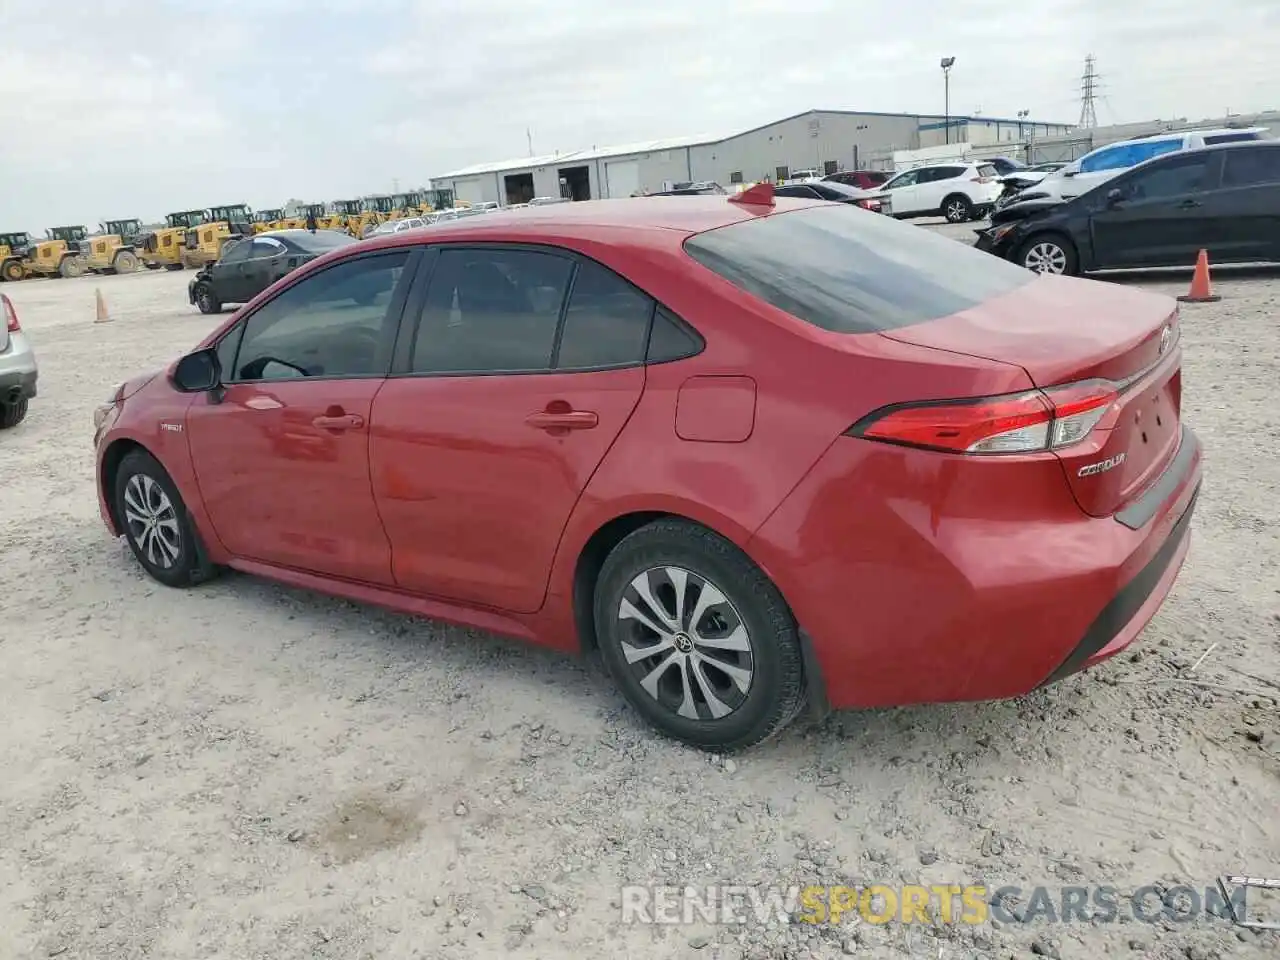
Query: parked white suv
(1098, 166)
(958, 191)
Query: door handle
(345, 421)
(1188, 204)
(568, 420)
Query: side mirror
(198, 372)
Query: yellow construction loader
(13, 251)
(275, 219)
(355, 218)
(221, 225)
(115, 248)
(163, 247)
(60, 254)
(406, 205)
(325, 220)
(439, 200)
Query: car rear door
(520, 368)
(228, 273)
(1244, 215)
(281, 452)
(1161, 217)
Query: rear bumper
(18, 373)
(924, 577)
(16, 385)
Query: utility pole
(528, 135)
(1031, 137)
(947, 64)
(1089, 93)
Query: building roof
(678, 143)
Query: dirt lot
(249, 771)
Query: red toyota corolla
(760, 453)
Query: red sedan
(763, 454)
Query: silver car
(17, 367)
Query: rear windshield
(853, 271)
(322, 240)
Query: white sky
(139, 107)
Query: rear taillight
(10, 314)
(1015, 423)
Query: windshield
(850, 271)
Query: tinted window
(670, 339)
(265, 248)
(903, 180)
(1245, 168)
(934, 174)
(330, 324)
(1231, 138)
(235, 251)
(987, 170)
(797, 190)
(491, 310)
(1103, 160)
(1174, 178)
(1141, 152)
(606, 323)
(850, 271)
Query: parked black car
(1224, 199)
(249, 266)
(879, 202)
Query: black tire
(12, 414)
(206, 300)
(71, 267)
(126, 262)
(1036, 249)
(775, 691)
(188, 563)
(13, 270)
(957, 208)
(175, 266)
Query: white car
(1098, 166)
(396, 226)
(958, 191)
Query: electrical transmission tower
(1089, 93)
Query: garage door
(622, 177)
(468, 191)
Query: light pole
(1022, 115)
(947, 64)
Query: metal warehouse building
(828, 140)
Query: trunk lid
(1062, 331)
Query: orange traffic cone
(103, 315)
(1200, 291)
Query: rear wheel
(126, 262)
(12, 414)
(1048, 253)
(175, 266)
(155, 521)
(699, 640)
(957, 208)
(206, 300)
(71, 267)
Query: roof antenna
(760, 195)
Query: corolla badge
(1102, 466)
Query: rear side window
(988, 170)
(1231, 138)
(606, 323)
(850, 271)
(1250, 167)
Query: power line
(1089, 94)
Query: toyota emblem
(1165, 336)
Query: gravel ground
(246, 771)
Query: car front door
(904, 190)
(504, 400)
(281, 452)
(268, 260)
(227, 273)
(1161, 215)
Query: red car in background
(760, 453)
(862, 179)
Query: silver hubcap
(686, 643)
(152, 520)
(1046, 258)
(955, 211)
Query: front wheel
(957, 209)
(206, 300)
(126, 262)
(699, 640)
(1048, 254)
(71, 267)
(155, 521)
